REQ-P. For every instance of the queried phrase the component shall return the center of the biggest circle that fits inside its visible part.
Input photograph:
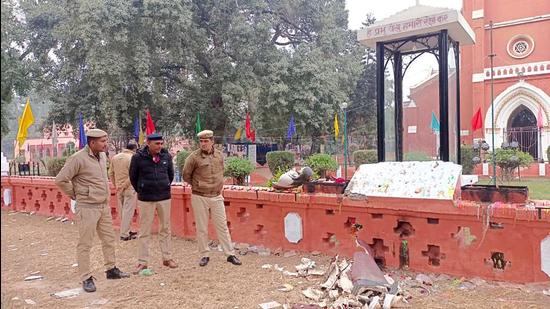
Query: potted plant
(238, 169)
(320, 163)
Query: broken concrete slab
(365, 270)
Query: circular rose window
(520, 46)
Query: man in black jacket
(151, 174)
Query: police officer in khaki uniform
(118, 172)
(84, 179)
(203, 170)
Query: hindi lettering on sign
(442, 18)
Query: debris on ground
(424, 279)
(270, 305)
(285, 287)
(34, 277)
(29, 301)
(68, 293)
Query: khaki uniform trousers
(202, 207)
(91, 219)
(126, 207)
(147, 214)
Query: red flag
(253, 136)
(149, 126)
(539, 118)
(247, 126)
(477, 121)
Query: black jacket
(151, 180)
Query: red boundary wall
(461, 238)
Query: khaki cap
(96, 133)
(205, 134)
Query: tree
(109, 60)
(15, 77)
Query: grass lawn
(539, 188)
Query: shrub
(180, 159)
(548, 154)
(416, 156)
(320, 163)
(467, 155)
(55, 165)
(510, 159)
(275, 178)
(364, 157)
(280, 160)
(238, 169)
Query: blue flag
(435, 123)
(82, 134)
(136, 128)
(291, 128)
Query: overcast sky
(381, 9)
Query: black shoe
(133, 235)
(204, 261)
(88, 285)
(115, 273)
(126, 238)
(233, 260)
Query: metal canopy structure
(401, 39)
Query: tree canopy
(111, 59)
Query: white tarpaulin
(429, 180)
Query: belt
(206, 194)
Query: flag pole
(492, 56)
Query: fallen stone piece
(34, 277)
(270, 305)
(313, 294)
(424, 279)
(285, 288)
(68, 293)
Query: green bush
(510, 159)
(467, 155)
(180, 159)
(548, 154)
(238, 169)
(416, 156)
(320, 163)
(280, 160)
(54, 165)
(364, 157)
(275, 178)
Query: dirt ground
(31, 244)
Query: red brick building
(521, 74)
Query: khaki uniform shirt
(119, 169)
(84, 178)
(204, 172)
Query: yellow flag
(25, 121)
(336, 127)
(237, 136)
(141, 137)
